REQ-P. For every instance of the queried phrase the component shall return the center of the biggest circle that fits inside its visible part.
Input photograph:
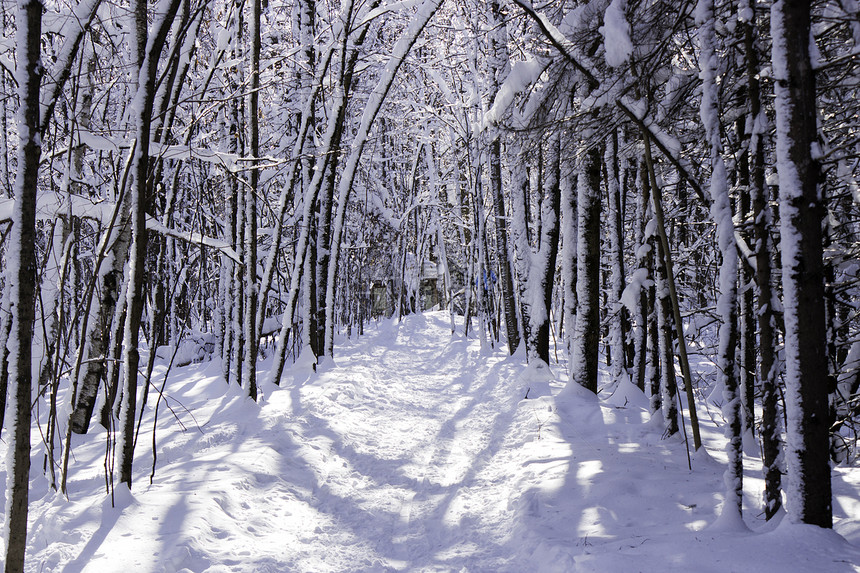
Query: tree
(21, 280)
(353, 143)
(542, 271)
(377, 97)
(147, 54)
(497, 61)
(250, 250)
(721, 212)
(618, 327)
(801, 213)
(762, 221)
(586, 338)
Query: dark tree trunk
(5, 330)
(587, 335)
(746, 308)
(761, 219)
(643, 263)
(502, 252)
(498, 59)
(652, 360)
(114, 367)
(668, 383)
(21, 280)
(548, 249)
(659, 219)
(801, 214)
(250, 318)
(95, 371)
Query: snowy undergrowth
(415, 450)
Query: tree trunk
(659, 219)
(99, 329)
(568, 259)
(543, 273)
(21, 280)
(5, 331)
(668, 382)
(721, 212)
(651, 367)
(615, 230)
(801, 213)
(250, 318)
(587, 333)
(746, 305)
(498, 60)
(518, 160)
(762, 221)
(644, 252)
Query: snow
(639, 280)
(616, 34)
(416, 451)
(523, 74)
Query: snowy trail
(419, 420)
(415, 451)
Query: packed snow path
(415, 451)
(410, 436)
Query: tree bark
(544, 274)
(250, 275)
(618, 313)
(586, 338)
(650, 372)
(801, 213)
(21, 280)
(668, 382)
(657, 205)
(643, 254)
(518, 160)
(721, 213)
(746, 305)
(498, 61)
(762, 221)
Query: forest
(611, 189)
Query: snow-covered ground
(416, 451)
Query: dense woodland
(226, 181)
